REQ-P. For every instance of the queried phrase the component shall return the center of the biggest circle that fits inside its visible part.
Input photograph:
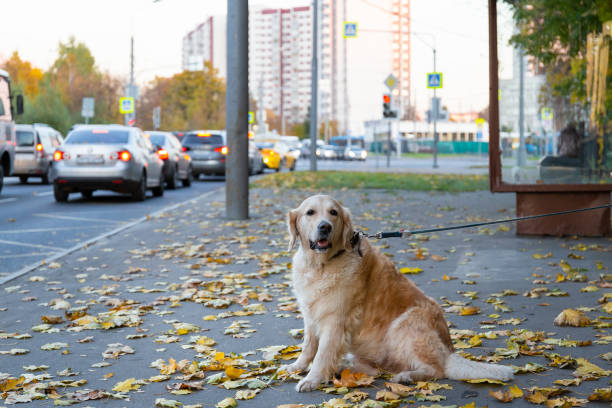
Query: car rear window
(157, 139)
(25, 138)
(98, 136)
(203, 139)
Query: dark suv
(208, 150)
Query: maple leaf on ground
(589, 371)
(571, 317)
(352, 380)
(126, 385)
(601, 394)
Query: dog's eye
(310, 212)
(333, 212)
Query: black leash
(404, 233)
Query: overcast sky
(458, 29)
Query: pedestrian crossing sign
(126, 105)
(350, 29)
(434, 80)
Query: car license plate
(90, 159)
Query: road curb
(91, 241)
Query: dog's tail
(459, 368)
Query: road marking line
(25, 244)
(25, 231)
(52, 258)
(46, 193)
(67, 217)
(8, 200)
(25, 255)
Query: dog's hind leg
(359, 365)
(421, 373)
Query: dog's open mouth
(320, 245)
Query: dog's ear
(292, 217)
(347, 229)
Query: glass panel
(25, 138)
(555, 105)
(5, 103)
(98, 136)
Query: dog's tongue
(323, 243)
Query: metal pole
(131, 84)
(314, 89)
(236, 111)
(389, 144)
(522, 153)
(435, 120)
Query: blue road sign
(434, 80)
(350, 29)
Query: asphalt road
(33, 226)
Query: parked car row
(332, 152)
(127, 160)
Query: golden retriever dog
(356, 304)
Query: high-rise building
(280, 59)
(206, 42)
(400, 25)
(280, 62)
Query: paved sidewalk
(190, 285)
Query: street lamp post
(314, 90)
(435, 119)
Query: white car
(107, 157)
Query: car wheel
(61, 196)
(23, 179)
(48, 176)
(1, 177)
(173, 179)
(141, 191)
(187, 181)
(159, 190)
(87, 193)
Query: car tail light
(163, 154)
(223, 150)
(39, 147)
(123, 155)
(58, 155)
(185, 148)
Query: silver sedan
(107, 157)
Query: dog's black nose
(324, 227)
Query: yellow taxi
(276, 155)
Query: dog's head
(320, 223)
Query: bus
(7, 126)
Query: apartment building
(280, 59)
(206, 42)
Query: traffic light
(387, 112)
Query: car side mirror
(19, 104)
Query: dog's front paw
(308, 384)
(292, 368)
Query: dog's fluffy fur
(355, 303)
